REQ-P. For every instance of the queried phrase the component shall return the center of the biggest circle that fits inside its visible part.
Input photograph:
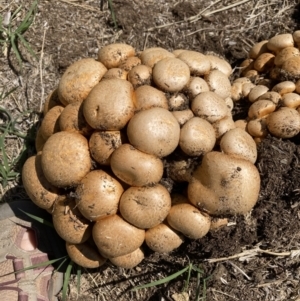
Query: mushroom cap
(261, 108)
(198, 63)
(280, 41)
(154, 131)
(290, 69)
(51, 101)
(219, 64)
(195, 86)
(284, 54)
(291, 100)
(197, 137)
(163, 239)
(178, 102)
(257, 127)
(209, 106)
(223, 125)
(183, 116)
(240, 144)
(171, 74)
(284, 87)
(98, 195)
(37, 187)
(115, 237)
(284, 123)
(109, 106)
(256, 91)
(224, 184)
(145, 207)
(134, 167)
(151, 56)
(128, 261)
(66, 159)
(130, 63)
(264, 62)
(79, 79)
(188, 220)
(115, 73)
(258, 49)
(140, 75)
(114, 54)
(85, 255)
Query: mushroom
(151, 56)
(258, 49)
(219, 64)
(140, 75)
(280, 41)
(128, 261)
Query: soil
(258, 254)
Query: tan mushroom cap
(163, 239)
(151, 56)
(85, 255)
(252, 74)
(130, 63)
(114, 54)
(115, 237)
(246, 89)
(134, 167)
(176, 52)
(109, 105)
(140, 75)
(258, 128)
(261, 108)
(256, 92)
(285, 54)
(280, 41)
(275, 97)
(229, 103)
(147, 97)
(115, 73)
(50, 123)
(291, 100)
(219, 83)
(72, 119)
(264, 62)
(145, 207)
(79, 79)
(209, 106)
(198, 63)
(246, 65)
(39, 141)
(37, 187)
(223, 125)
(284, 87)
(258, 49)
(171, 74)
(241, 123)
(236, 91)
(66, 159)
(219, 64)
(284, 123)
(102, 144)
(240, 144)
(51, 101)
(128, 261)
(291, 68)
(224, 184)
(154, 131)
(297, 86)
(197, 137)
(188, 220)
(195, 86)
(98, 195)
(69, 223)
(183, 116)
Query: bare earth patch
(256, 257)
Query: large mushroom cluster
(270, 81)
(140, 147)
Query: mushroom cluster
(138, 148)
(271, 83)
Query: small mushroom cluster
(271, 83)
(121, 134)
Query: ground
(257, 256)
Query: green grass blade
(38, 219)
(15, 49)
(16, 12)
(187, 281)
(111, 8)
(66, 280)
(28, 18)
(78, 278)
(197, 270)
(26, 44)
(162, 281)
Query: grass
(12, 33)
(201, 282)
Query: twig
(41, 69)
(220, 292)
(240, 270)
(87, 7)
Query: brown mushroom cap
(171, 74)
(115, 73)
(115, 237)
(284, 87)
(79, 79)
(154, 131)
(258, 49)
(188, 220)
(197, 137)
(102, 144)
(256, 92)
(39, 141)
(84, 255)
(151, 56)
(271, 95)
(140, 75)
(98, 195)
(291, 100)
(69, 223)
(280, 41)
(163, 239)
(66, 159)
(264, 62)
(285, 54)
(114, 54)
(240, 144)
(261, 108)
(219, 64)
(224, 184)
(290, 68)
(147, 97)
(134, 167)
(109, 106)
(51, 101)
(40, 191)
(258, 127)
(198, 63)
(210, 106)
(128, 261)
(284, 123)
(130, 63)
(145, 207)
